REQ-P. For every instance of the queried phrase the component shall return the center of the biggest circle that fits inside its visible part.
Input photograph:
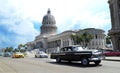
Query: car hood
(93, 51)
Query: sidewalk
(112, 58)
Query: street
(46, 65)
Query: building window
(92, 42)
(96, 43)
(96, 37)
(99, 43)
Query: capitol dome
(48, 24)
(48, 19)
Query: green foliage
(83, 39)
(8, 49)
(86, 38)
(16, 50)
(108, 40)
(22, 47)
(75, 38)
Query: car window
(63, 49)
(69, 49)
(77, 48)
(41, 52)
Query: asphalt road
(38, 65)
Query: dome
(48, 19)
(48, 25)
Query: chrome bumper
(96, 59)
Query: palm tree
(75, 38)
(8, 49)
(82, 39)
(85, 38)
(22, 47)
(15, 50)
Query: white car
(41, 54)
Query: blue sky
(20, 20)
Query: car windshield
(41, 52)
(77, 49)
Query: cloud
(15, 28)
(100, 20)
(22, 19)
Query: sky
(20, 20)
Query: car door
(69, 53)
(62, 53)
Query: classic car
(77, 53)
(17, 55)
(41, 54)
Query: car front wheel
(85, 61)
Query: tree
(85, 38)
(82, 39)
(22, 47)
(75, 38)
(15, 50)
(8, 49)
(108, 40)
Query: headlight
(96, 54)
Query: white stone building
(98, 41)
(49, 41)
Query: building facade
(114, 33)
(98, 41)
(49, 41)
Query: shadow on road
(75, 64)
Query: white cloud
(100, 20)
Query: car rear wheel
(97, 62)
(58, 60)
(85, 61)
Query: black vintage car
(77, 53)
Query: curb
(112, 59)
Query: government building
(48, 40)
